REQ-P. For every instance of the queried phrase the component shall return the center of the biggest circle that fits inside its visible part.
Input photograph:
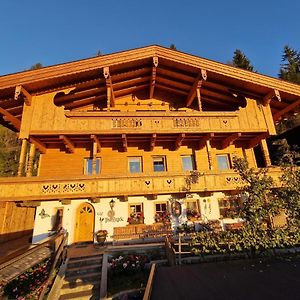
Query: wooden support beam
(206, 137)
(293, 105)
(124, 141)
(254, 142)
(65, 201)
(97, 141)
(30, 160)
(22, 158)
(153, 141)
(272, 94)
(199, 96)
(265, 151)
(109, 87)
(230, 139)
(10, 118)
(179, 140)
(95, 200)
(209, 155)
(68, 143)
(38, 144)
(197, 84)
(153, 76)
(21, 92)
(29, 204)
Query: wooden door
(84, 227)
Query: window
(229, 206)
(135, 164)
(161, 213)
(88, 166)
(223, 162)
(188, 163)
(136, 215)
(192, 209)
(159, 164)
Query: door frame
(77, 226)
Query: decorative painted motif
(63, 188)
(127, 123)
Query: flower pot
(101, 238)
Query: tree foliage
(290, 67)
(36, 66)
(259, 201)
(9, 152)
(173, 47)
(240, 60)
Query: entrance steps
(82, 278)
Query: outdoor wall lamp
(112, 203)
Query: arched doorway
(84, 227)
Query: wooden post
(209, 156)
(22, 157)
(265, 151)
(199, 97)
(179, 248)
(94, 158)
(30, 160)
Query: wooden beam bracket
(109, 87)
(271, 95)
(21, 93)
(206, 137)
(230, 139)
(287, 109)
(124, 142)
(153, 76)
(255, 141)
(38, 144)
(97, 141)
(179, 140)
(153, 141)
(68, 143)
(10, 118)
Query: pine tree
(173, 47)
(240, 60)
(290, 68)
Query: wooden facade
(137, 124)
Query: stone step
(80, 295)
(83, 269)
(71, 285)
(80, 258)
(84, 262)
(80, 288)
(83, 277)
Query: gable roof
(132, 70)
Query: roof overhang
(135, 69)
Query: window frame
(85, 166)
(230, 210)
(228, 158)
(192, 161)
(198, 209)
(164, 163)
(140, 161)
(139, 213)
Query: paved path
(245, 280)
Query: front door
(84, 227)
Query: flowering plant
(29, 284)
(127, 264)
(136, 218)
(102, 232)
(192, 213)
(163, 217)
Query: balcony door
(84, 227)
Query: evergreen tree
(173, 47)
(36, 66)
(290, 68)
(240, 60)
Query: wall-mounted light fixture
(112, 203)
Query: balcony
(43, 188)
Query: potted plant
(101, 236)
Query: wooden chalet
(124, 135)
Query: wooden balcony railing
(145, 122)
(44, 188)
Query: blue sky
(57, 31)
